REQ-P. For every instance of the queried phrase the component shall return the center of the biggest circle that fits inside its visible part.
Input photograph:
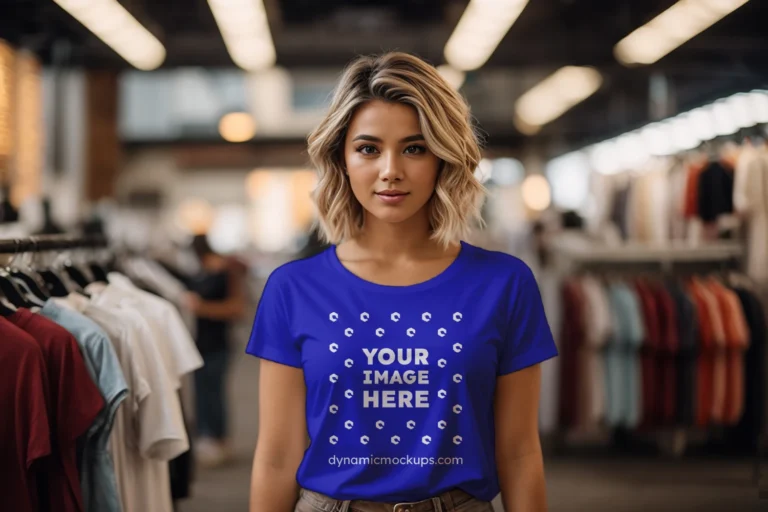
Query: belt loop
(437, 505)
(447, 499)
(343, 505)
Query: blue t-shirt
(401, 379)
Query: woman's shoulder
(502, 264)
(301, 268)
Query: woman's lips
(392, 198)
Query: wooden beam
(102, 141)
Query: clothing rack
(44, 243)
(578, 252)
(574, 252)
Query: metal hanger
(53, 282)
(27, 282)
(11, 290)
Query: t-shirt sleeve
(81, 400)
(271, 336)
(529, 339)
(160, 423)
(185, 352)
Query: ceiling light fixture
(670, 29)
(480, 30)
(245, 29)
(555, 95)
(682, 132)
(119, 30)
(536, 192)
(453, 76)
(237, 127)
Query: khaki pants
(454, 500)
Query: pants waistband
(445, 502)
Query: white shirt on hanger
(149, 427)
(179, 348)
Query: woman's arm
(519, 460)
(282, 438)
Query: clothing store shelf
(584, 250)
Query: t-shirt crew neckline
(450, 271)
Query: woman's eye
(415, 150)
(366, 150)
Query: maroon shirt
(74, 402)
(24, 432)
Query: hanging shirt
(750, 198)
(23, 397)
(149, 427)
(97, 474)
(177, 345)
(572, 341)
(715, 195)
(623, 370)
(74, 404)
(401, 379)
(687, 347)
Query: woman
(407, 356)
(217, 298)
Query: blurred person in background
(217, 297)
(399, 293)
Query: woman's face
(391, 170)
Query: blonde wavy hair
(448, 130)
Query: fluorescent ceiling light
(245, 29)
(480, 30)
(670, 29)
(453, 76)
(111, 23)
(554, 96)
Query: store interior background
(180, 126)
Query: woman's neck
(388, 241)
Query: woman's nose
(391, 168)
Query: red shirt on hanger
(25, 440)
(74, 403)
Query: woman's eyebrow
(371, 138)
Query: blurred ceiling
(726, 58)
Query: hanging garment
(687, 351)
(737, 338)
(150, 430)
(666, 355)
(715, 194)
(182, 352)
(753, 418)
(738, 343)
(97, 473)
(571, 343)
(720, 361)
(691, 205)
(620, 209)
(180, 355)
(649, 352)
(677, 177)
(598, 327)
(705, 362)
(623, 358)
(751, 200)
(25, 442)
(74, 404)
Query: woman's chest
(394, 347)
